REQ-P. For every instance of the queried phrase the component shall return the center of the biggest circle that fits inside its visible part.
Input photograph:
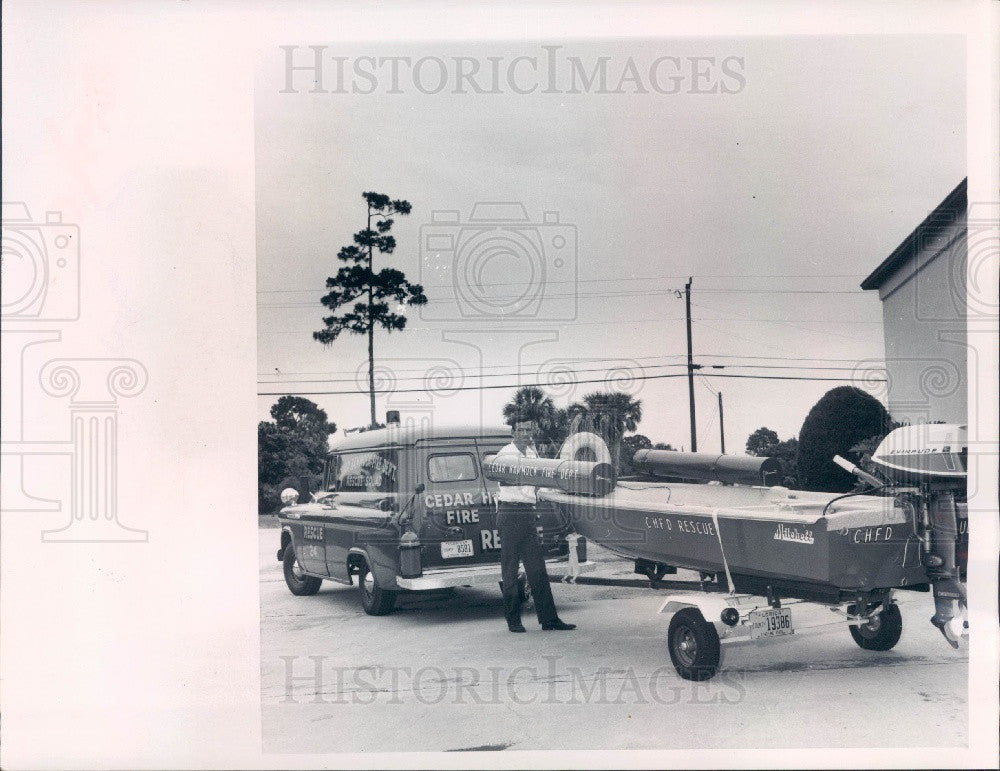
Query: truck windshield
(371, 471)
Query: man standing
(519, 541)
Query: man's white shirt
(518, 493)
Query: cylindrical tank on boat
(571, 476)
(731, 469)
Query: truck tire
(882, 632)
(298, 582)
(694, 645)
(375, 600)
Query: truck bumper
(484, 575)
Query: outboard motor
(932, 459)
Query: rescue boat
(772, 540)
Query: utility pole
(722, 430)
(687, 299)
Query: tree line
(845, 421)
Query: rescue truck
(406, 508)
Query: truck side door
(454, 505)
(367, 496)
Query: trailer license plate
(773, 622)
(451, 549)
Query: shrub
(842, 418)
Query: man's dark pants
(519, 543)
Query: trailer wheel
(694, 645)
(298, 582)
(882, 632)
(375, 600)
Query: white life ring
(589, 445)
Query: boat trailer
(922, 476)
(707, 613)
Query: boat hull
(766, 537)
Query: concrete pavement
(442, 673)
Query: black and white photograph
(623, 376)
(615, 257)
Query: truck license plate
(451, 549)
(773, 622)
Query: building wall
(923, 312)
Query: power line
(777, 366)
(776, 358)
(542, 385)
(619, 294)
(701, 379)
(793, 324)
(631, 322)
(782, 291)
(606, 280)
(625, 368)
(602, 359)
(472, 374)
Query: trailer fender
(711, 607)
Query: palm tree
(609, 413)
(531, 403)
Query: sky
(775, 172)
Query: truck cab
(407, 508)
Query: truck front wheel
(298, 582)
(375, 600)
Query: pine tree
(361, 294)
